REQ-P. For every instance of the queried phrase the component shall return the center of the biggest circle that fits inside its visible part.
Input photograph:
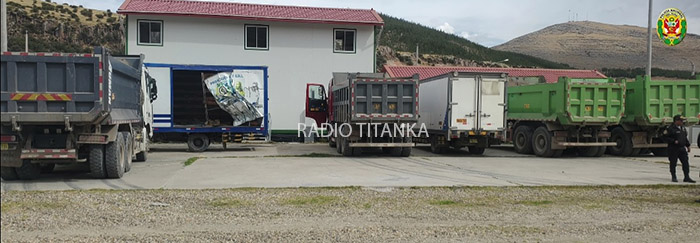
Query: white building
(299, 45)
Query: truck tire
(396, 152)
(624, 143)
(660, 152)
(476, 150)
(128, 150)
(644, 151)
(114, 158)
(143, 155)
(698, 141)
(339, 145)
(96, 161)
(522, 139)
(406, 152)
(435, 146)
(47, 168)
(591, 151)
(8, 173)
(347, 150)
(542, 143)
(197, 142)
(332, 142)
(28, 171)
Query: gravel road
(426, 214)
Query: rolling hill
(592, 45)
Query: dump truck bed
(655, 102)
(359, 98)
(571, 102)
(48, 88)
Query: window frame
(245, 37)
(138, 32)
(354, 41)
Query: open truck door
(316, 103)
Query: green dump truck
(546, 118)
(651, 105)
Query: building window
(150, 32)
(256, 37)
(344, 40)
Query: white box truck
(463, 109)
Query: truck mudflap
(381, 145)
(48, 154)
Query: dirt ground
(355, 214)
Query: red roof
(252, 11)
(551, 75)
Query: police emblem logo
(671, 26)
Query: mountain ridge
(594, 45)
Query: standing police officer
(678, 147)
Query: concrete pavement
(289, 165)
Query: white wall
(299, 54)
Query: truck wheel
(435, 146)
(476, 150)
(339, 145)
(591, 151)
(644, 151)
(406, 152)
(347, 150)
(623, 140)
(47, 168)
(143, 155)
(660, 152)
(96, 161)
(28, 171)
(542, 142)
(114, 157)
(8, 173)
(198, 142)
(396, 152)
(522, 140)
(331, 142)
(128, 150)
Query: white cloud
(447, 28)
(467, 35)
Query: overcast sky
(490, 22)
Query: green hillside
(403, 36)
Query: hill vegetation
(400, 38)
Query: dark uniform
(678, 150)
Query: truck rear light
(8, 138)
(92, 138)
(483, 133)
(472, 133)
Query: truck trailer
(651, 105)
(71, 108)
(361, 106)
(463, 109)
(190, 112)
(546, 118)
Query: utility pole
(651, 4)
(3, 27)
(417, 56)
(26, 41)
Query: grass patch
(225, 202)
(191, 161)
(313, 200)
(535, 203)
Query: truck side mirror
(152, 89)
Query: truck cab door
(316, 103)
